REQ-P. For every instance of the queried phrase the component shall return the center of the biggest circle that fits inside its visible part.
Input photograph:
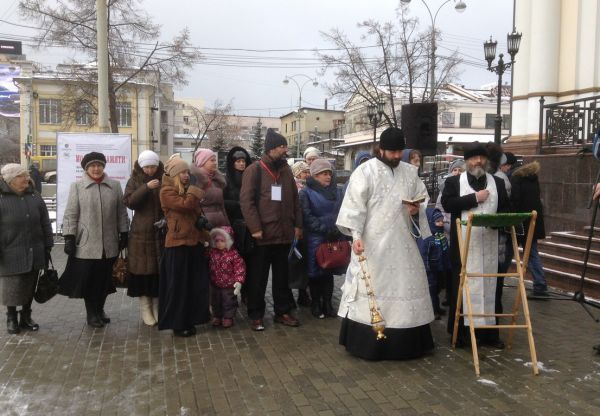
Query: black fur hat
(93, 157)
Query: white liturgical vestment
(372, 210)
(483, 255)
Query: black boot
(328, 308)
(101, 314)
(93, 319)
(12, 323)
(26, 322)
(315, 294)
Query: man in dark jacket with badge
(269, 203)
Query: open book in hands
(418, 200)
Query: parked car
(50, 177)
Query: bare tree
(210, 122)
(389, 61)
(133, 49)
(371, 77)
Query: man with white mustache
(478, 192)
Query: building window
(286, 127)
(465, 120)
(489, 121)
(186, 119)
(447, 119)
(505, 121)
(84, 114)
(163, 138)
(47, 150)
(164, 117)
(49, 111)
(178, 143)
(293, 126)
(124, 114)
(186, 131)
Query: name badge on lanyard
(275, 188)
(276, 193)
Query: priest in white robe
(383, 229)
(475, 191)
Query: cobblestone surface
(128, 368)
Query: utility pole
(102, 63)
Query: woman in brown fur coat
(145, 243)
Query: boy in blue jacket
(434, 250)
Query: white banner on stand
(72, 147)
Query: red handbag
(333, 255)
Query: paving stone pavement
(128, 368)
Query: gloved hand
(47, 256)
(237, 288)
(70, 246)
(333, 234)
(123, 239)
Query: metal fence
(568, 123)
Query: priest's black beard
(279, 163)
(391, 163)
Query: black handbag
(47, 284)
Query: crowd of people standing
(199, 238)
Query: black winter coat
(25, 231)
(231, 193)
(454, 204)
(525, 196)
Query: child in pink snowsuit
(227, 273)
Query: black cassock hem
(400, 343)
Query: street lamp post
(460, 6)
(375, 114)
(300, 87)
(513, 41)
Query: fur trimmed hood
(225, 232)
(229, 159)
(529, 169)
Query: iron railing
(568, 124)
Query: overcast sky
(286, 24)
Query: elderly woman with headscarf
(95, 229)
(209, 179)
(25, 244)
(145, 243)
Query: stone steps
(562, 256)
